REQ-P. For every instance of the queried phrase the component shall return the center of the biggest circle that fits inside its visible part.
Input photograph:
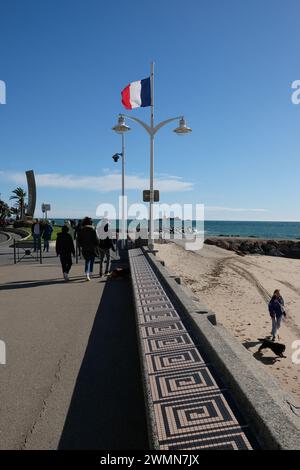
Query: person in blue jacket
(277, 311)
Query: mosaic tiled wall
(190, 410)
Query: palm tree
(4, 210)
(19, 194)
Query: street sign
(46, 208)
(146, 195)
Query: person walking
(89, 244)
(68, 223)
(47, 233)
(76, 234)
(106, 244)
(36, 230)
(277, 311)
(65, 249)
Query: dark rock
(208, 241)
(275, 252)
(286, 248)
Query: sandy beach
(237, 289)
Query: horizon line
(205, 220)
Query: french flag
(137, 94)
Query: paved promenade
(72, 375)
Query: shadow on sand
(107, 407)
(265, 359)
(259, 355)
(251, 344)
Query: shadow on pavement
(107, 407)
(26, 284)
(40, 283)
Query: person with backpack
(89, 244)
(106, 244)
(65, 249)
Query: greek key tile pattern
(166, 343)
(162, 328)
(183, 383)
(190, 410)
(231, 439)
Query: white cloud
(104, 183)
(232, 209)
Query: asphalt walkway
(72, 377)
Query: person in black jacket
(47, 233)
(37, 232)
(76, 235)
(105, 245)
(65, 249)
(89, 243)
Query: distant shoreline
(224, 229)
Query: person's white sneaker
(88, 277)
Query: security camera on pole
(121, 128)
(141, 94)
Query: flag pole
(151, 231)
(124, 228)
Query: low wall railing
(187, 406)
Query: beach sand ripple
(238, 290)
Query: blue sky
(227, 66)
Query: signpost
(45, 209)
(146, 195)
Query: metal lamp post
(182, 129)
(121, 128)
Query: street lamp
(121, 128)
(182, 129)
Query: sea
(270, 230)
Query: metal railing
(30, 249)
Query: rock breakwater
(257, 246)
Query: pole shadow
(29, 284)
(107, 408)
